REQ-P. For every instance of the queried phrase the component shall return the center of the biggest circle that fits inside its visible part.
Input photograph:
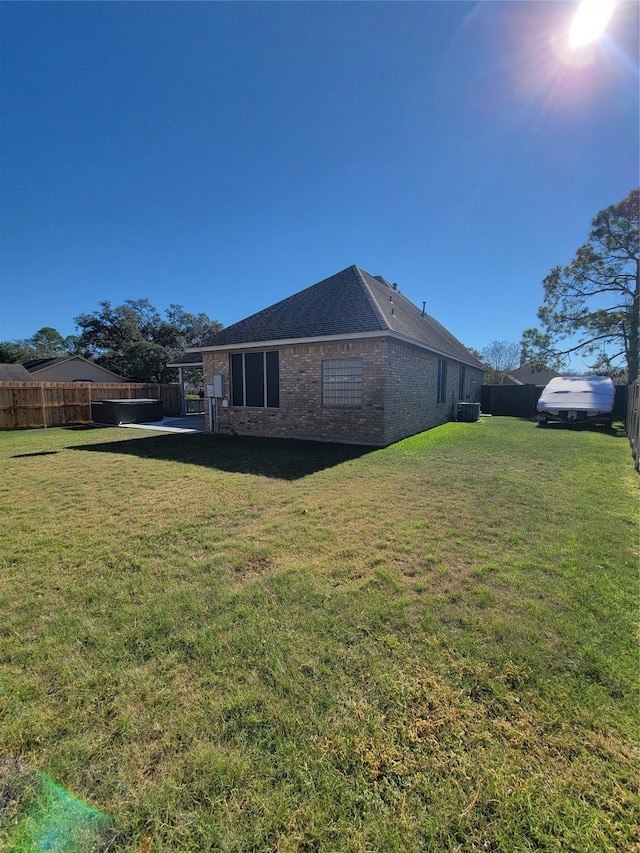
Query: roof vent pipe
(424, 305)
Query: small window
(461, 383)
(441, 392)
(255, 379)
(342, 382)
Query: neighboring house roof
(14, 373)
(189, 359)
(41, 363)
(528, 375)
(347, 304)
(37, 365)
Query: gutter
(273, 344)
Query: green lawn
(245, 645)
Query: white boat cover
(579, 394)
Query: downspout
(213, 405)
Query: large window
(255, 379)
(441, 392)
(342, 382)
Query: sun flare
(590, 21)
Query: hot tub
(126, 411)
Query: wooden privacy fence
(632, 421)
(29, 405)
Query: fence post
(632, 421)
(44, 408)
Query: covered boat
(577, 399)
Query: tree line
(590, 307)
(133, 339)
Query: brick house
(349, 359)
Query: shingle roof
(189, 359)
(40, 363)
(14, 373)
(351, 302)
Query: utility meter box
(217, 388)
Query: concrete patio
(186, 424)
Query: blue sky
(224, 155)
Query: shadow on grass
(85, 427)
(612, 432)
(616, 431)
(36, 453)
(279, 458)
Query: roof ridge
(349, 302)
(370, 296)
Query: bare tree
(500, 358)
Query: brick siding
(398, 394)
(411, 390)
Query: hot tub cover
(127, 411)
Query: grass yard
(244, 645)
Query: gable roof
(38, 364)
(529, 375)
(349, 303)
(14, 373)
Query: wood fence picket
(632, 421)
(33, 405)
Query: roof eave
(281, 342)
(435, 351)
(331, 338)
